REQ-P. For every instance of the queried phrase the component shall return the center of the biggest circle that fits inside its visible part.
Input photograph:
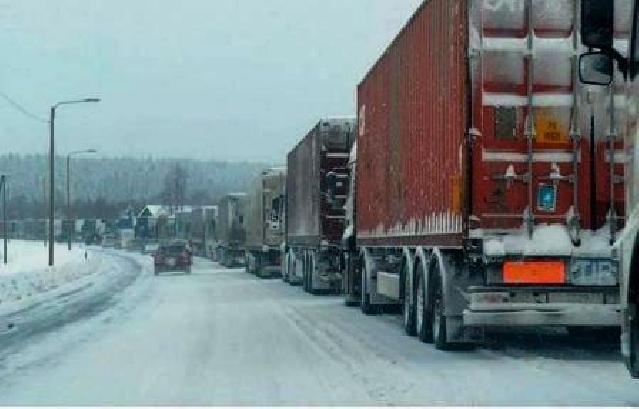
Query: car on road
(174, 256)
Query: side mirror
(595, 68)
(597, 22)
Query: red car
(175, 256)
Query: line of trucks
(489, 179)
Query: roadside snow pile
(27, 273)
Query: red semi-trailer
(489, 187)
(314, 224)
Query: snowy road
(224, 337)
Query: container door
(534, 158)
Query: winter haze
(209, 79)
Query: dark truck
(264, 227)
(173, 256)
(231, 230)
(314, 224)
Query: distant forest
(102, 187)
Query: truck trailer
(231, 230)
(264, 228)
(489, 187)
(314, 222)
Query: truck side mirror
(597, 22)
(595, 68)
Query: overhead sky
(222, 79)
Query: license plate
(534, 272)
(170, 262)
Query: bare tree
(174, 193)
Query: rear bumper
(270, 271)
(556, 314)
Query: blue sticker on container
(547, 198)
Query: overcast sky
(224, 79)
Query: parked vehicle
(110, 240)
(480, 200)
(173, 256)
(231, 230)
(264, 228)
(314, 225)
(605, 28)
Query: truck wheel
(423, 326)
(156, 271)
(311, 269)
(304, 275)
(409, 308)
(287, 268)
(365, 304)
(437, 310)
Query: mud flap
(457, 333)
(630, 341)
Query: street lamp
(69, 218)
(52, 169)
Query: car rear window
(174, 249)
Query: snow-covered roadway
(224, 337)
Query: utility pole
(3, 186)
(44, 213)
(51, 183)
(52, 170)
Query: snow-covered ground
(224, 337)
(27, 276)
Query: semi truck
(231, 230)
(314, 221)
(612, 64)
(264, 228)
(489, 188)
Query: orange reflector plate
(534, 272)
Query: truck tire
(408, 309)
(437, 308)
(365, 305)
(287, 268)
(311, 269)
(156, 270)
(304, 274)
(423, 318)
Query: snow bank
(27, 273)
(26, 256)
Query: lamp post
(3, 186)
(52, 170)
(69, 218)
